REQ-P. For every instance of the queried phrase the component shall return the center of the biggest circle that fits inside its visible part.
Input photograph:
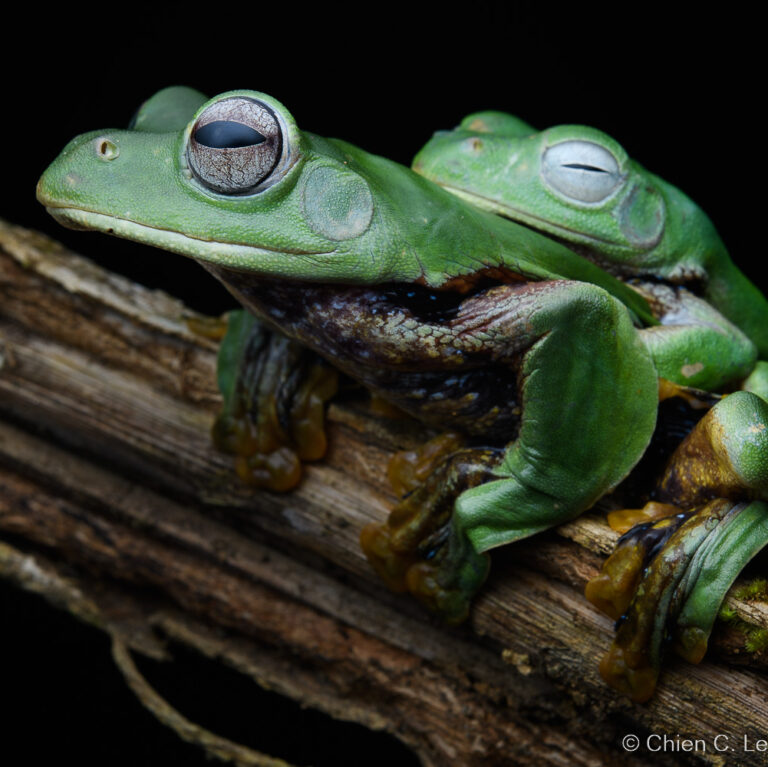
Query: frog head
(232, 182)
(578, 184)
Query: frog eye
(235, 145)
(581, 170)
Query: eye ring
(582, 171)
(235, 145)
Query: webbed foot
(274, 393)
(667, 578)
(420, 549)
(665, 583)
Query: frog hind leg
(274, 393)
(588, 393)
(667, 579)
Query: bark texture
(116, 507)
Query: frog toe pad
(444, 582)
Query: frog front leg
(667, 579)
(588, 394)
(694, 345)
(274, 392)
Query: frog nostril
(473, 145)
(106, 149)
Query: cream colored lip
(232, 255)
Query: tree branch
(126, 490)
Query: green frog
(543, 340)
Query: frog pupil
(227, 134)
(580, 166)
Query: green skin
(331, 225)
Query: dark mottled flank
(447, 357)
(411, 345)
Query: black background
(684, 96)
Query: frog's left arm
(694, 345)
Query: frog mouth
(541, 225)
(226, 254)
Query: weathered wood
(119, 373)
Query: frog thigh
(724, 456)
(742, 431)
(589, 397)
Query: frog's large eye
(581, 170)
(235, 145)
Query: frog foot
(410, 468)
(623, 520)
(665, 582)
(444, 584)
(273, 413)
(420, 549)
